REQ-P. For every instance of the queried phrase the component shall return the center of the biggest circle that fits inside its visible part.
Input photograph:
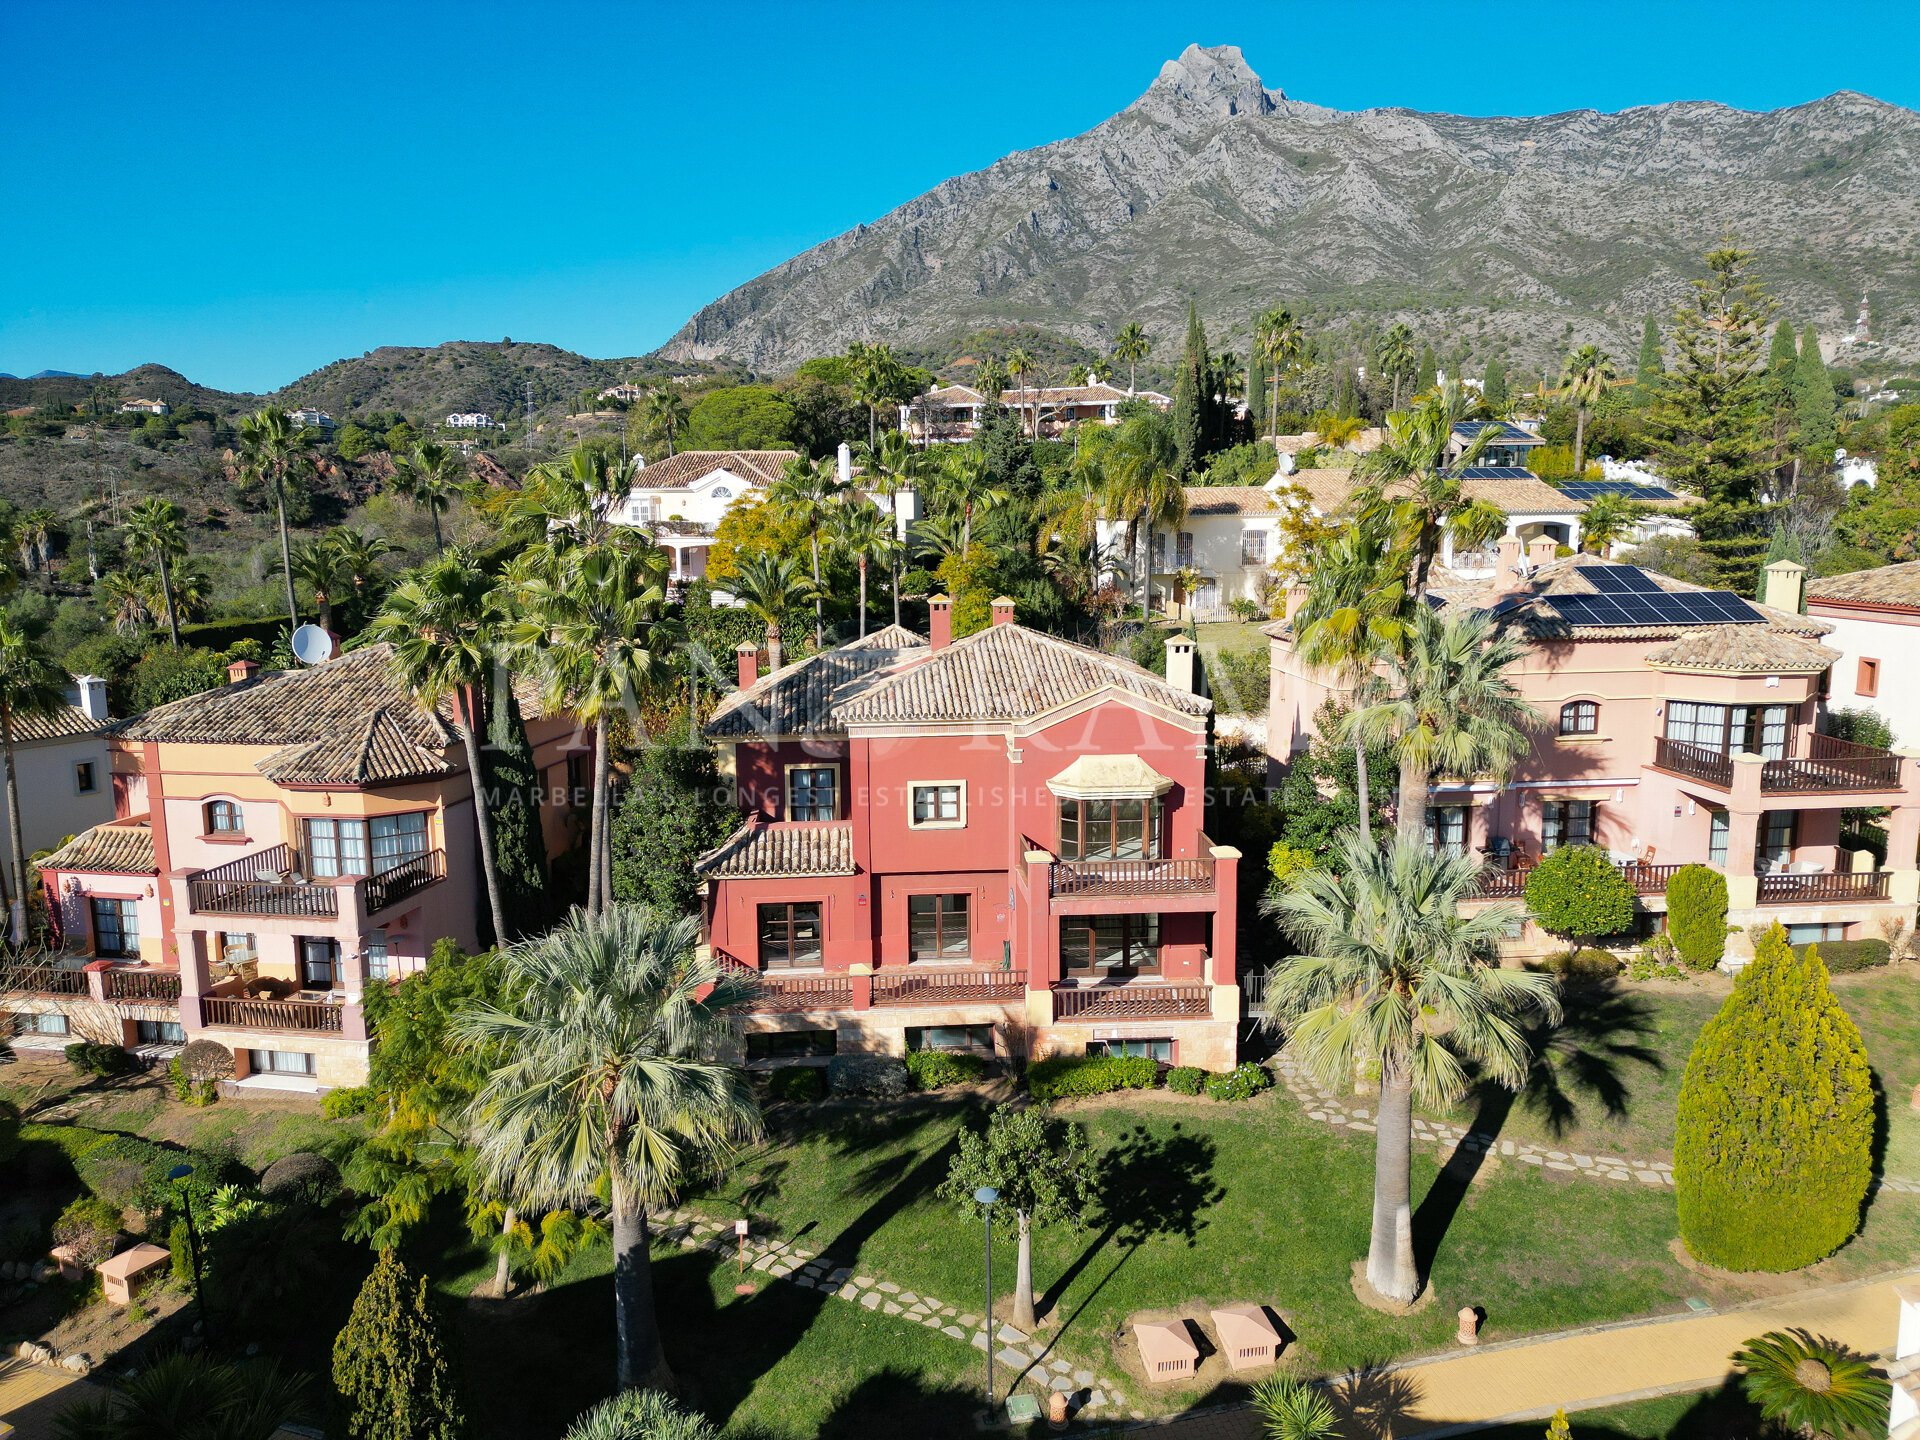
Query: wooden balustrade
(1786, 887)
(803, 992)
(1119, 878)
(974, 985)
(42, 979)
(308, 1015)
(1832, 764)
(1510, 883)
(1696, 762)
(237, 888)
(1131, 1000)
(396, 883)
(142, 984)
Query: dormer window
(225, 818)
(1580, 717)
(1110, 809)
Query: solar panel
(1497, 472)
(1505, 432)
(1590, 489)
(1656, 607)
(1620, 580)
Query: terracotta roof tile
(1889, 585)
(375, 751)
(1744, 647)
(61, 724)
(768, 851)
(119, 847)
(1332, 490)
(802, 698)
(889, 637)
(1223, 500)
(690, 467)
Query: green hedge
(1844, 957)
(1586, 963)
(104, 1061)
(1697, 915)
(1242, 1082)
(1186, 1079)
(933, 1069)
(1064, 1076)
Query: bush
(127, 1170)
(1655, 961)
(347, 1101)
(302, 1175)
(1062, 1076)
(880, 1076)
(797, 1084)
(1243, 1082)
(1773, 1150)
(104, 1061)
(180, 1253)
(1244, 610)
(1845, 957)
(1697, 915)
(1238, 680)
(91, 1227)
(1186, 1079)
(1576, 890)
(932, 1069)
(1586, 963)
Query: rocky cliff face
(1497, 232)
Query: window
(234, 947)
(84, 780)
(1183, 551)
(721, 492)
(43, 1025)
(1253, 547)
(1868, 683)
(977, 1038)
(116, 927)
(1814, 934)
(224, 818)
(1110, 829)
(1777, 829)
(937, 927)
(938, 804)
(1161, 1050)
(1580, 717)
(1447, 828)
(1117, 945)
(160, 1032)
(378, 957)
(791, 1044)
(1723, 729)
(397, 839)
(1566, 822)
(319, 963)
(279, 1062)
(1719, 827)
(790, 936)
(810, 792)
(347, 847)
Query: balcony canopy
(1109, 777)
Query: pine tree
(1646, 383)
(1192, 398)
(1773, 1147)
(519, 848)
(390, 1363)
(1814, 407)
(1782, 362)
(1493, 385)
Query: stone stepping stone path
(1023, 1354)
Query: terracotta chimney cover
(242, 670)
(1003, 611)
(939, 622)
(746, 657)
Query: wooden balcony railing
(1119, 878)
(1788, 888)
(786, 993)
(42, 979)
(1696, 762)
(1510, 882)
(1832, 764)
(237, 888)
(972, 986)
(1131, 1000)
(142, 984)
(308, 1015)
(396, 883)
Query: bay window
(1724, 729)
(349, 847)
(1110, 829)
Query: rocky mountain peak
(1208, 83)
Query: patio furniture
(121, 1276)
(1248, 1338)
(1167, 1352)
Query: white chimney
(1180, 662)
(844, 461)
(1785, 579)
(91, 696)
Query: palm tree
(1392, 974)
(770, 586)
(664, 413)
(1142, 486)
(122, 597)
(1411, 478)
(190, 1397)
(1019, 363)
(1812, 1386)
(1279, 342)
(360, 555)
(443, 624)
(155, 532)
(606, 1033)
(319, 565)
(1449, 707)
(862, 530)
(1291, 1409)
(1132, 346)
(806, 494)
(876, 375)
(587, 621)
(1583, 380)
(430, 477)
(1335, 431)
(1071, 515)
(1396, 357)
(966, 489)
(30, 685)
(271, 448)
(1476, 525)
(890, 467)
(572, 501)
(1608, 520)
(33, 534)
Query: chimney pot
(1508, 552)
(939, 622)
(1297, 595)
(92, 698)
(1003, 611)
(1541, 549)
(746, 657)
(1786, 581)
(1180, 662)
(241, 670)
(843, 463)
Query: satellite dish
(312, 645)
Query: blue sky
(245, 192)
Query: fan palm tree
(771, 586)
(272, 447)
(155, 532)
(1132, 345)
(1397, 360)
(1070, 516)
(190, 1397)
(1143, 487)
(606, 1035)
(1335, 431)
(1279, 342)
(1608, 520)
(806, 494)
(430, 477)
(1411, 478)
(1019, 363)
(1390, 973)
(31, 685)
(1476, 525)
(444, 625)
(1583, 380)
(319, 565)
(33, 534)
(1449, 707)
(122, 597)
(587, 620)
(1813, 1386)
(664, 413)
(572, 501)
(865, 532)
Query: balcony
(1124, 879)
(397, 882)
(310, 1016)
(785, 994)
(974, 985)
(1695, 762)
(1831, 766)
(42, 978)
(1130, 1000)
(1510, 882)
(262, 885)
(1823, 887)
(161, 986)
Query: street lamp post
(177, 1174)
(985, 1197)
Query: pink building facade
(996, 844)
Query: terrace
(272, 884)
(1830, 766)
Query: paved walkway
(1579, 1370)
(31, 1395)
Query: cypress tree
(1773, 1147)
(519, 849)
(1428, 374)
(1646, 383)
(390, 1363)
(1493, 385)
(1191, 399)
(1814, 406)
(1783, 361)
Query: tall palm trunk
(774, 650)
(503, 1264)
(1390, 1267)
(17, 882)
(1365, 785)
(483, 816)
(1579, 441)
(166, 597)
(1023, 1277)
(433, 513)
(863, 597)
(1415, 786)
(640, 1362)
(819, 600)
(597, 831)
(286, 547)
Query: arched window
(1580, 717)
(224, 818)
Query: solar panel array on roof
(1588, 489)
(1497, 472)
(1659, 607)
(1619, 579)
(1505, 432)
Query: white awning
(1109, 777)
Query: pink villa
(995, 843)
(1682, 725)
(279, 845)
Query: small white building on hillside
(682, 498)
(470, 420)
(1229, 538)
